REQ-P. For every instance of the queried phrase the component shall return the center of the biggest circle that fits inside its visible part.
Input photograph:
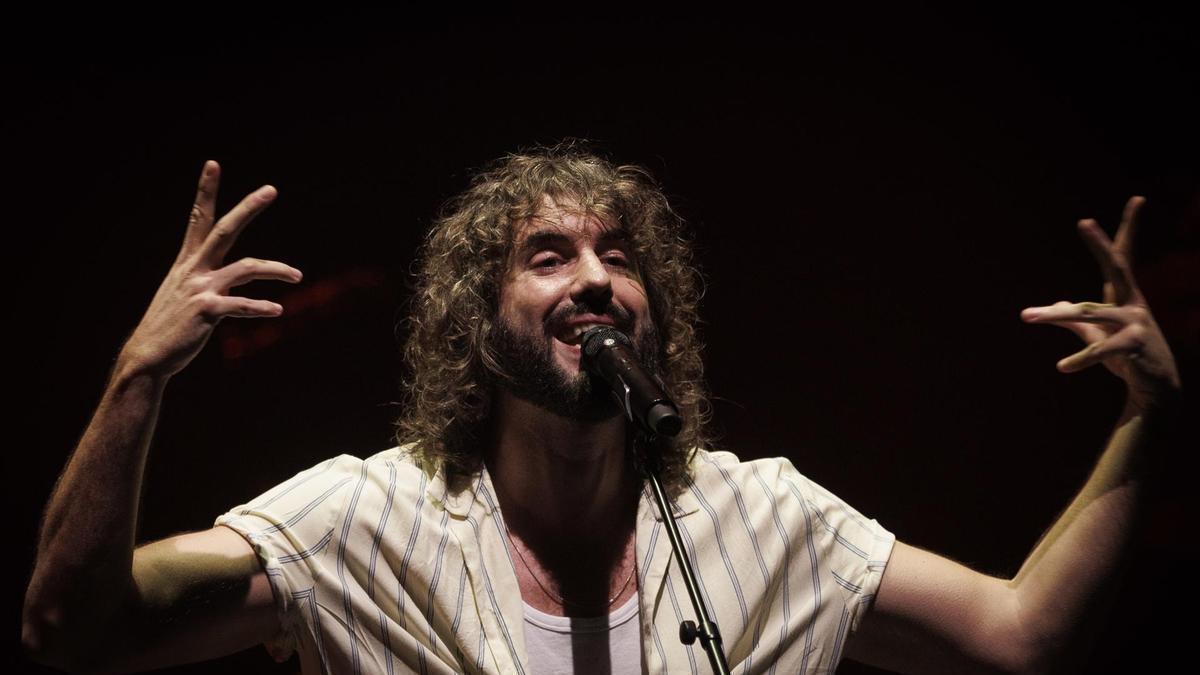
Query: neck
(569, 498)
(559, 479)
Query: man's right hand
(92, 602)
(194, 295)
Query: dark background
(874, 199)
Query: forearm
(84, 557)
(91, 602)
(1071, 571)
(930, 612)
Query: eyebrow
(547, 238)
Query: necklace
(555, 596)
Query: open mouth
(572, 335)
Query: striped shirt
(378, 567)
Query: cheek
(632, 296)
(526, 312)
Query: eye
(617, 259)
(547, 260)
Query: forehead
(564, 218)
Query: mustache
(621, 318)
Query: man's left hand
(1120, 332)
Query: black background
(874, 200)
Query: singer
(508, 532)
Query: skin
(95, 603)
(934, 615)
(560, 481)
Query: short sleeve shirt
(378, 567)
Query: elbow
(74, 627)
(41, 638)
(1032, 663)
(1033, 648)
(39, 620)
(1015, 641)
(46, 642)
(32, 644)
(1019, 658)
(1040, 656)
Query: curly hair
(452, 365)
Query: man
(510, 531)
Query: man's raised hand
(194, 296)
(1120, 331)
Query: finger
(1088, 312)
(1128, 228)
(251, 269)
(226, 230)
(1127, 342)
(1086, 331)
(204, 206)
(1113, 264)
(242, 308)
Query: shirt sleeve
(853, 549)
(290, 528)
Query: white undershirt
(563, 645)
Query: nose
(592, 284)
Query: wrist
(131, 372)
(1152, 401)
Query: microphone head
(638, 392)
(599, 337)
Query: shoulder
(397, 463)
(388, 478)
(719, 478)
(711, 466)
(795, 497)
(319, 493)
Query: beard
(534, 376)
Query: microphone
(606, 353)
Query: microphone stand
(608, 355)
(649, 464)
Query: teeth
(573, 335)
(580, 330)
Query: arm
(934, 615)
(89, 587)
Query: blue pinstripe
(845, 583)
(437, 575)
(387, 509)
(758, 556)
(292, 484)
(839, 644)
(813, 565)
(720, 537)
(787, 560)
(487, 583)
(299, 515)
(341, 571)
(691, 554)
(311, 602)
(313, 550)
(408, 551)
(679, 619)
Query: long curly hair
(451, 361)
